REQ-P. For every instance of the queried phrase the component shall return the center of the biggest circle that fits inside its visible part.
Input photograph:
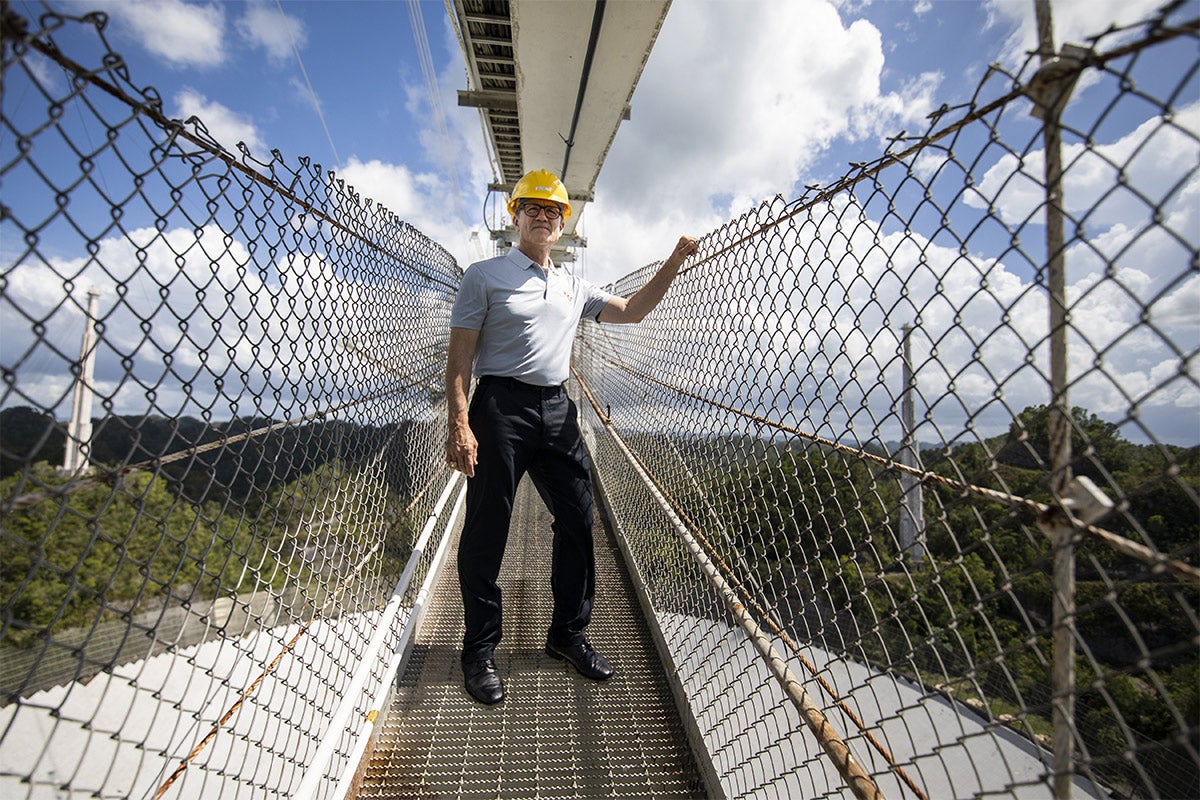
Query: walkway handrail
(315, 774)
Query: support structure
(79, 429)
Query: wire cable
(425, 58)
(311, 92)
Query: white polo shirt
(526, 316)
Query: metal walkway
(556, 734)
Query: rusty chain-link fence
(887, 419)
(200, 588)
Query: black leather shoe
(586, 661)
(483, 681)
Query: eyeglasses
(531, 210)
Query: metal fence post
(1049, 90)
(912, 515)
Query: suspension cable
(429, 73)
(311, 92)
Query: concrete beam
(490, 99)
(566, 240)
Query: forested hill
(1159, 484)
(28, 436)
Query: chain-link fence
(855, 454)
(193, 582)
(886, 419)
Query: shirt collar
(520, 259)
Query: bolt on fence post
(1049, 90)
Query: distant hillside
(28, 436)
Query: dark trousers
(525, 429)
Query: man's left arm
(642, 302)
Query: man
(514, 319)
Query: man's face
(534, 224)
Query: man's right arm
(461, 446)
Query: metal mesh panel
(191, 580)
(875, 426)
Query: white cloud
(802, 322)
(751, 113)
(423, 200)
(888, 114)
(432, 200)
(302, 94)
(223, 124)
(1181, 308)
(394, 186)
(751, 117)
(182, 34)
(1138, 200)
(45, 72)
(621, 240)
(1134, 203)
(851, 7)
(263, 26)
(805, 319)
(195, 320)
(1118, 182)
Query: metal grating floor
(556, 734)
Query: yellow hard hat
(540, 184)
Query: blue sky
(791, 92)
(844, 74)
(739, 101)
